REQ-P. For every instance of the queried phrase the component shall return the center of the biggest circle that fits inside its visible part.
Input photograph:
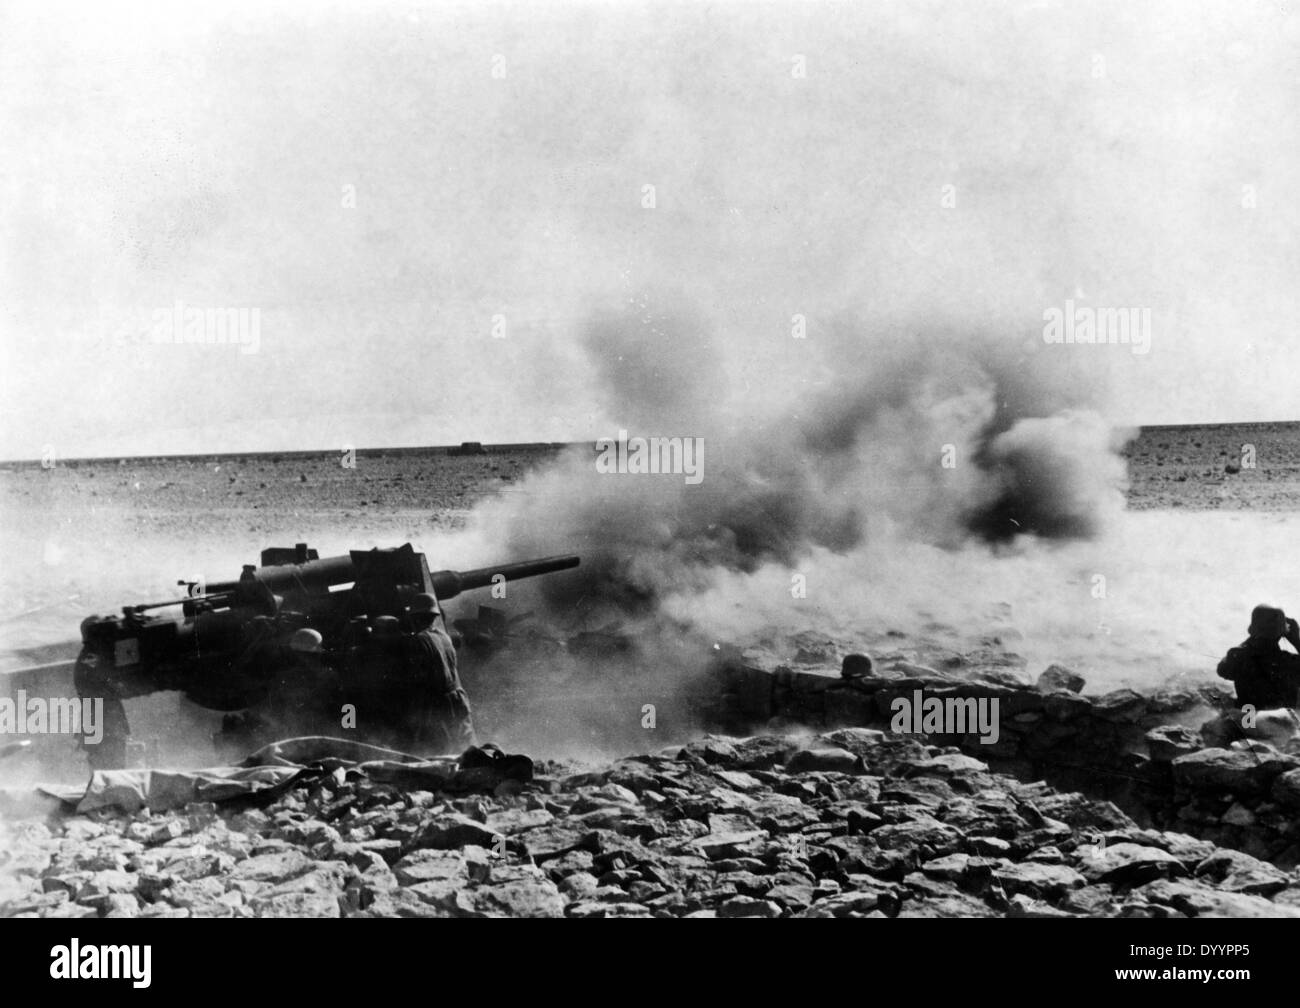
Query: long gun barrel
(325, 573)
(447, 584)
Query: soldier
(446, 724)
(252, 676)
(381, 688)
(95, 676)
(1265, 676)
(300, 688)
(388, 693)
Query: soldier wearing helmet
(376, 682)
(445, 722)
(1265, 676)
(300, 688)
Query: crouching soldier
(445, 724)
(300, 688)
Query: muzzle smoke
(944, 440)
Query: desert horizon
(493, 446)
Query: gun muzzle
(447, 584)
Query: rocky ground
(853, 823)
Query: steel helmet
(424, 602)
(306, 641)
(387, 626)
(855, 666)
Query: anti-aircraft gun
(198, 644)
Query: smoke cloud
(940, 439)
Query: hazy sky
(380, 181)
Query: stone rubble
(853, 823)
(1160, 756)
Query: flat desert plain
(1247, 467)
